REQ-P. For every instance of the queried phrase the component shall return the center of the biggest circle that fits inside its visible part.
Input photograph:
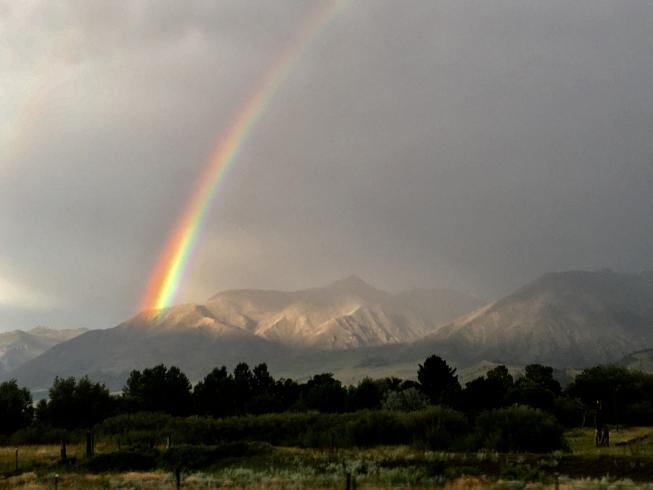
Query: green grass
(581, 441)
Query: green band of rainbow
(165, 280)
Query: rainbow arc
(167, 276)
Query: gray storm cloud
(463, 144)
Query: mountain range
(568, 319)
(252, 326)
(19, 346)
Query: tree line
(621, 395)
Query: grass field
(581, 441)
(584, 466)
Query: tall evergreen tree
(438, 380)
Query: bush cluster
(435, 428)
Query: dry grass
(293, 468)
(45, 455)
(163, 481)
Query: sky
(461, 144)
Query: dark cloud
(464, 144)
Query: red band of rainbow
(166, 278)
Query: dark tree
(95, 401)
(243, 387)
(537, 388)
(74, 404)
(438, 380)
(214, 395)
(15, 407)
(325, 393)
(159, 389)
(543, 376)
(394, 384)
(501, 379)
(478, 395)
(264, 397)
(528, 393)
(367, 395)
(288, 393)
(599, 383)
(626, 396)
(487, 392)
(62, 407)
(262, 380)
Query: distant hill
(252, 326)
(20, 346)
(567, 319)
(184, 336)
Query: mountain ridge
(569, 319)
(250, 326)
(20, 346)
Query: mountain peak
(352, 281)
(354, 285)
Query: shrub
(372, 428)
(189, 457)
(123, 461)
(438, 428)
(40, 434)
(140, 430)
(140, 421)
(518, 429)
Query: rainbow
(166, 278)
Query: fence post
(178, 478)
(16, 459)
(89, 444)
(64, 458)
(348, 481)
